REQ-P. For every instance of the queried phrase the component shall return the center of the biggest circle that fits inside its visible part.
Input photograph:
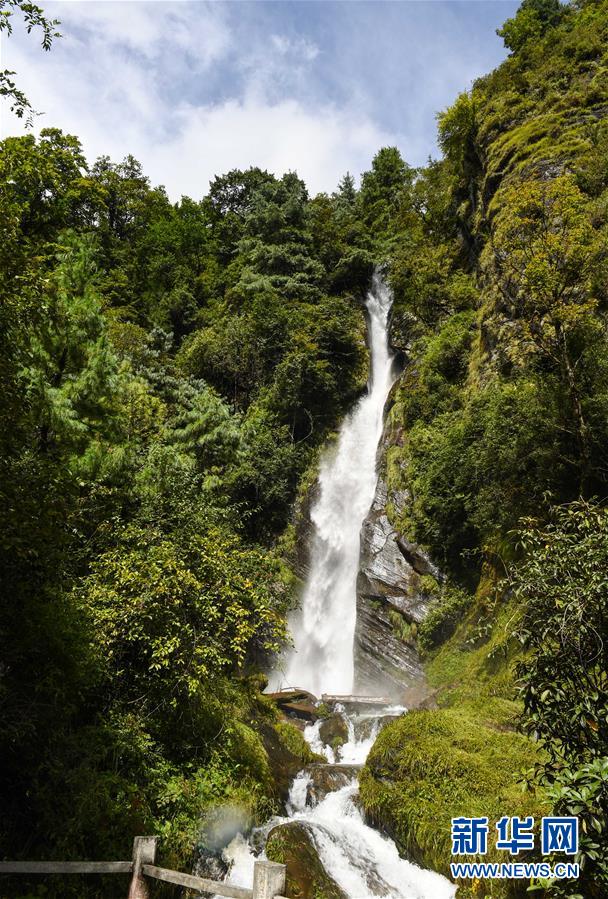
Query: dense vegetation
(168, 373)
(498, 258)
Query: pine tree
(72, 376)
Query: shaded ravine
(324, 824)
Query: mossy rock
(288, 752)
(431, 766)
(292, 845)
(333, 730)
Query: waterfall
(362, 862)
(324, 628)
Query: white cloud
(120, 102)
(116, 109)
(150, 29)
(320, 145)
(194, 89)
(301, 47)
(279, 67)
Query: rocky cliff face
(391, 594)
(392, 598)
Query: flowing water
(361, 861)
(323, 631)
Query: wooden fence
(268, 877)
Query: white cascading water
(364, 864)
(323, 631)
(361, 861)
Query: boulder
(333, 730)
(287, 751)
(328, 778)
(293, 845)
(209, 864)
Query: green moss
(293, 740)
(474, 668)
(323, 710)
(402, 629)
(288, 753)
(536, 109)
(431, 766)
(292, 845)
(464, 758)
(443, 617)
(247, 749)
(428, 584)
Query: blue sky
(193, 89)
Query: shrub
(443, 618)
(562, 585)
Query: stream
(363, 862)
(323, 797)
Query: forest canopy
(169, 373)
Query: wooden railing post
(144, 853)
(268, 880)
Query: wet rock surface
(390, 566)
(326, 778)
(333, 730)
(304, 532)
(292, 844)
(209, 864)
(382, 660)
(366, 727)
(390, 573)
